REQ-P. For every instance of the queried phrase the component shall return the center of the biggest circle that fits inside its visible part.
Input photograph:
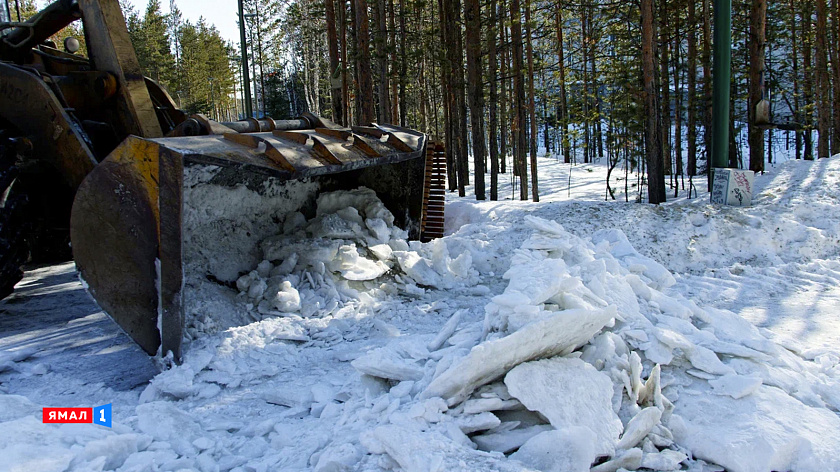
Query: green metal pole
(720, 89)
(246, 80)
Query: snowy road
(435, 357)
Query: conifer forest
(626, 83)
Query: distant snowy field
(563, 335)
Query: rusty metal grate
(434, 193)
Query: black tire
(14, 251)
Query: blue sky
(221, 13)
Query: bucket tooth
(300, 138)
(341, 134)
(369, 130)
(360, 144)
(323, 152)
(253, 142)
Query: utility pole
(246, 80)
(722, 72)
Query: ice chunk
(622, 250)
(665, 460)
(13, 407)
(768, 430)
(569, 392)
(337, 458)
(333, 226)
(418, 268)
(379, 229)
(289, 396)
(257, 289)
(568, 450)
(629, 460)
(355, 267)
(706, 360)
(387, 364)
(447, 331)
(479, 405)
(559, 333)
(294, 220)
(264, 269)
(736, 386)
(639, 427)
(164, 421)
(115, 449)
(280, 248)
(416, 451)
(480, 422)
(538, 280)
(381, 251)
(506, 441)
(287, 298)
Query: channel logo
(100, 415)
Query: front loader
(93, 150)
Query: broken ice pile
(585, 362)
(314, 267)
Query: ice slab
(768, 430)
(639, 427)
(417, 451)
(387, 364)
(559, 333)
(568, 450)
(570, 393)
(506, 441)
(736, 386)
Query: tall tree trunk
(823, 84)
(494, 122)
(335, 69)
(345, 90)
(596, 96)
(758, 22)
(665, 84)
(795, 60)
(584, 40)
(381, 46)
(678, 158)
(519, 96)
(808, 82)
(692, 88)
(653, 142)
(503, 115)
(451, 130)
(367, 111)
(392, 53)
(835, 61)
(475, 90)
(458, 107)
(563, 114)
(404, 71)
(531, 104)
(706, 59)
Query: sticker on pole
(732, 187)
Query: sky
(221, 13)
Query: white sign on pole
(733, 187)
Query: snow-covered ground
(552, 336)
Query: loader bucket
(148, 213)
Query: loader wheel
(14, 251)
